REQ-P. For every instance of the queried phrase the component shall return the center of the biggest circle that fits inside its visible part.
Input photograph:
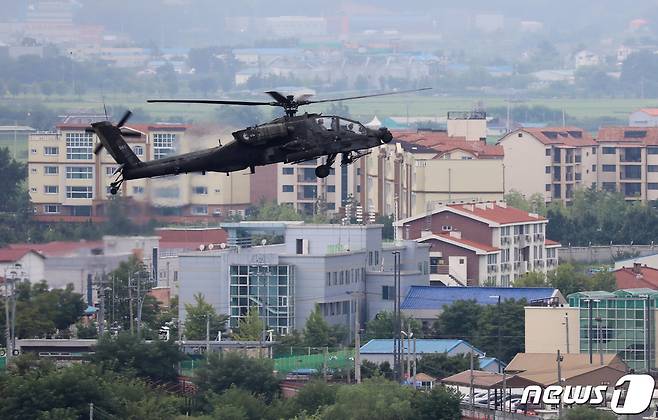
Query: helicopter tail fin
(112, 140)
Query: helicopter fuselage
(287, 139)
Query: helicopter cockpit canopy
(333, 123)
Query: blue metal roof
(385, 346)
(486, 361)
(432, 297)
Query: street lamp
(357, 337)
(411, 334)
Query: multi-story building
(482, 243)
(621, 322)
(553, 161)
(408, 176)
(69, 182)
(333, 266)
(628, 161)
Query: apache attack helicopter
(290, 139)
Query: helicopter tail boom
(112, 140)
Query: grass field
(414, 105)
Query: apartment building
(553, 161)
(485, 243)
(68, 182)
(628, 161)
(414, 173)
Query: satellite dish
(263, 241)
(222, 245)
(211, 246)
(202, 247)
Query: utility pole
(91, 411)
(130, 302)
(559, 379)
(396, 333)
(101, 310)
(415, 361)
(589, 332)
(140, 300)
(472, 399)
(357, 344)
(599, 322)
(7, 321)
(566, 326)
(207, 335)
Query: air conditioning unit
(504, 240)
(516, 239)
(217, 212)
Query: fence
(332, 360)
(604, 253)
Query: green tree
(315, 395)
(251, 327)
(458, 320)
(500, 331)
(237, 403)
(68, 391)
(316, 331)
(372, 399)
(122, 297)
(196, 318)
(440, 403)
(603, 280)
(219, 373)
(441, 365)
(531, 279)
(156, 360)
(568, 279)
(381, 326)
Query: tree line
(593, 218)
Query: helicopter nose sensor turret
(384, 135)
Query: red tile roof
(548, 242)
(13, 255)
(567, 136)
(496, 213)
(170, 237)
(461, 241)
(650, 111)
(642, 135)
(58, 248)
(634, 278)
(439, 141)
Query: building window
(548, 187)
(653, 186)
(199, 210)
(609, 150)
(331, 188)
(593, 168)
(593, 150)
(51, 170)
(79, 172)
(288, 171)
(167, 192)
(548, 170)
(288, 188)
(608, 168)
(331, 206)
(376, 257)
(200, 190)
(49, 151)
(78, 192)
(137, 189)
(446, 228)
(328, 279)
(79, 146)
(138, 150)
(609, 186)
(109, 170)
(51, 209)
(652, 150)
(388, 293)
(652, 168)
(163, 145)
(51, 189)
(548, 152)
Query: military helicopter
(290, 139)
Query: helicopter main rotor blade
(362, 96)
(210, 101)
(279, 97)
(125, 118)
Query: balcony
(551, 262)
(492, 268)
(579, 159)
(301, 196)
(307, 179)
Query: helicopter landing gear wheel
(114, 190)
(322, 171)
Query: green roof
(591, 294)
(642, 292)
